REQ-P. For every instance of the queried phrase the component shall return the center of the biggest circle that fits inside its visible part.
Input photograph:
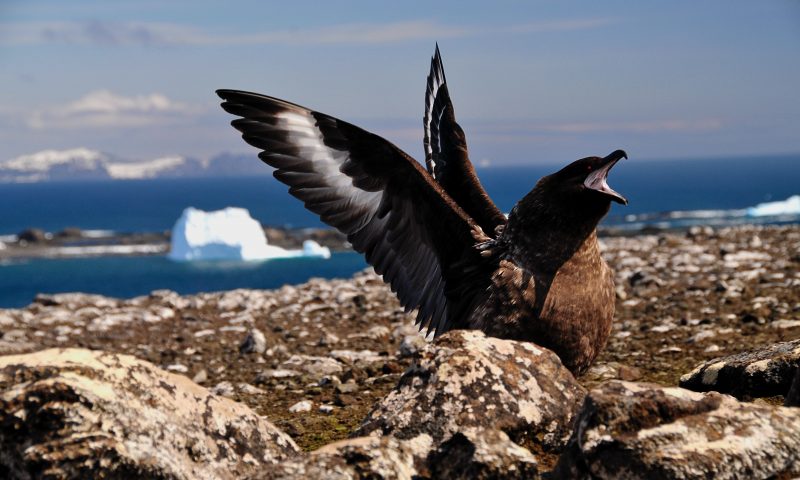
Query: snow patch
(43, 161)
(790, 206)
(229, 234)
(144, 169)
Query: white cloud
(94, 32)
(150, 34)
(103, 108)
(104, 101)
(521, 129)
(653, 126)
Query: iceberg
(790, 206)
(229, 234)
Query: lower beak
(598, 179)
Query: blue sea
(664, 194)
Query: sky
(532, 82)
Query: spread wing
(446, 153)
(409, 230)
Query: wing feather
(446, 154)
(390, 208)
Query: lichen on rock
(467, 380)
(76, 413)
(645, 431)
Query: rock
(224, 389)
(177, 367)
(315, 367)
(785, 324)
(327, 339)
(481, 454)
(467, 380)
(325, 408)
(75, 413)
(765, 372)
(248, 389)
(411, 345)
(603, 371)
(329, 380)
(472, 454)
(32, 235)
(645, 431)
(265, 375)
(793, 397)
(255, 342)
(347, 387)
(350, 356)
(301, 406)
(702, 335)
(201, 376)
(357, 458)
(70, 233)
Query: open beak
(598, 179)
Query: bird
(434, 234)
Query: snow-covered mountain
(83, 163)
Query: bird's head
(578, 194)
(586, 180)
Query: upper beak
(598, 179)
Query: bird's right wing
(384, 201)
(446, 153)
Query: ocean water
(660, 193)
(126, 277)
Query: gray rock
(764, 372)
(644, 431)
(467, 380)
(300, 407)
(316, 367)
(351, 356)
(348, 387)
(481, 454)
(224, 389)
(472, 454)
(357, 458)
(411, 345)
(255, 342)
(266, 375)
(75, 413)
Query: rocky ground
(315, 358)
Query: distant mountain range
(85, 164)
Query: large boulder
(468, 380)
(644, 431)
(765, 372)
(75, 413)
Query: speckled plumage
(436, 237)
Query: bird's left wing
(388, 206)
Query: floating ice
(229, 234)
(314, 249)
(790, 206)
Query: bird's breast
(569, 311)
